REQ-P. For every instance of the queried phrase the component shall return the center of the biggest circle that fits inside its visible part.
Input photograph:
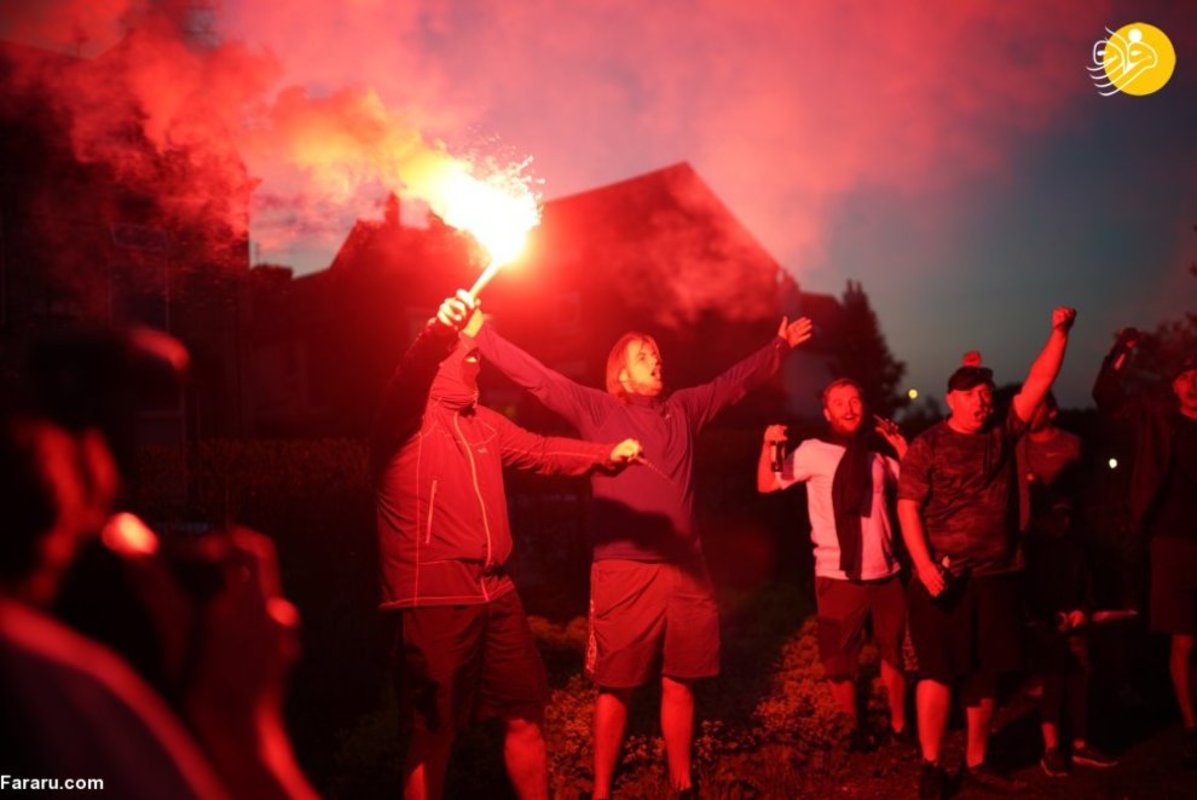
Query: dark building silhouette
(658, 253)
(84, 239)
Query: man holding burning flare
(856, 568)
(437, 460)
(652, 608)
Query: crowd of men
(982, 503)
(162, 668)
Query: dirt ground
(1149, 768)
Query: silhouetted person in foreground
(1163, 500)
(856, 568)
(467, 653)
(652, 606)
(74, 708)
(956, 503)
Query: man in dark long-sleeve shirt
(652, 607)
(1163, 500)
(444, 539)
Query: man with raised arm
(957, 504)
(856, 571)
(652, 607)
(1163, 499)
(437, 460)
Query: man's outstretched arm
(576, 403)
(1108, 391)
(703, 402)
(1046, 366)
(558, 455)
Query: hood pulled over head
(456, 381)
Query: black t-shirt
(1175, 510)
(964, 484)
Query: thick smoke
(177, 102)
(784, 109)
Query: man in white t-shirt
(856, 573)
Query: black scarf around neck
(851, 496)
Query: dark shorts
(1173, 585)
(1056, 653)
(976, 631)
(463, 664)
(650, 618)
(844, 608)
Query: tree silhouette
(860, 352)
(1161, 350)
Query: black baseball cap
(969, 377)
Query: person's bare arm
(913, 533)
(1046, 366)
(766, 479)
(888, 430)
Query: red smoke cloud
(74, 26)
(219, 110)
(782, 107)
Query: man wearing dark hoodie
(652, 608)
(856, 566)
(437, 460)
(1163, 499)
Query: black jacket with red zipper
(437, 459)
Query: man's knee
(524, 731)
(621, 695)
(978, 688)
(676, 688)
(931, 691)
(1182, 644)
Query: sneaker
(1090, 756)
(986, 777)
(933, 783)
(1054, 763)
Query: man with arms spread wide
(652, 608)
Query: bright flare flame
(497, 211)
(351, 145)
